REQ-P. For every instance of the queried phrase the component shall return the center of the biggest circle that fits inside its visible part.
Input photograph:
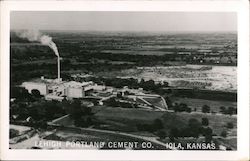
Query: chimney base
(58, 80)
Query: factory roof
(55, 82)
(77, 84)
(46, 81)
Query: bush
(204, 121)
(230, 125)
(20, 93)
(194, 126)
(188, 109)
(223, 134)
(229, 110)
(208, 133)
(182, 107)
(205, 109)
(222, 109)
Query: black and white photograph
(124, 80)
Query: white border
(239, 6)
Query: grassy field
(216, 122)
(125, 119)
(128, 114)
(198, 103)
(122, 119)
(128, 119)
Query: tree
(208, 133)
(205, 109)
(193, 123)
(19, 93)
(188, 109)
(223, 134)
(231, 110)
(53, 109)
(183, 107)
(222, 109)
(165, 84)
(230, 125)
(148, 85)
(194, 127)
(205, 121)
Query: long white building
(53, 89)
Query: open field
(127, 120)
(120, 119)
(198, 103)
(124, 119)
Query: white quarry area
(222, 78)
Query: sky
(124, 21)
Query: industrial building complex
(57, 89)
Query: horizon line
(132, 31)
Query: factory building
(53, 89)
(40, 86)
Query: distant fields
(198, 103)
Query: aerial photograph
(107, 80)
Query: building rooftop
(77, 84)
(46, 81)
(55, 82)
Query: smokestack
(58, 69)
(34, 35)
